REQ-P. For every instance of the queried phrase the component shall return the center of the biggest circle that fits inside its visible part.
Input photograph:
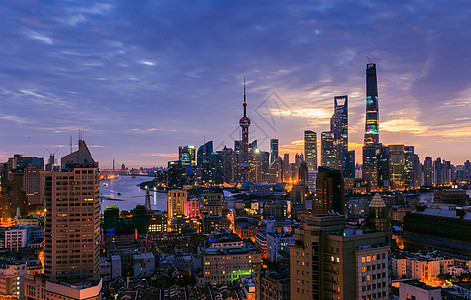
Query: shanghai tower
(371, 125)
(371, 147)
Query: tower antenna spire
(245, 100)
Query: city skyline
(177, 82)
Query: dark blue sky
(143, 77)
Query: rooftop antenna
(70, 144)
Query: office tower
(328, 261)
(330, 195)
(370, 148)
(203, 153)
(12, 184)
(428, 171)
(339, 127)
(237, 159)
(328, 153)
(175, 174)
(187, 155)
(438, 172)
(303, 174)
(409, 159)
(228, 164)
(256, 161)
(369, 167)
(176, 204)
(310, 149)
(372, 108)
(383, 168)
(265, 165)
(396, 166)
(244, 123)
(286, 168)
(273, 150)
(72, 220)
(350, 165)
(418, 172)
(274, 170)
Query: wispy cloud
(164, 155)
(39, 37)
(147, 63)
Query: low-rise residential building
(12, 280)
(414, 289)
(278, 242)
(272, 286)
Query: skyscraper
(328, 155)
(371, 149)
(273, 150)
(330, 195)
(396, 166)
(286, 168)
(72, 223)
(339, 127)
(428, 171)
(187, 155)
(371, 126)
(310, 149)
(409, 167)
(244, 123)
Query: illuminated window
(362, 259)
(368, 258)
(368, 277)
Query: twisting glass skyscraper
(371, 125)
(371, 148)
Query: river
(130, 194)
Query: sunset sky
(141, 78)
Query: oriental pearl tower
(244, 123)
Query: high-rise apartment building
(13, 195)
(438, 171)
(409, 167)
(329, 261)
(428, 171)
(177, 201)
(286, 168)
(310, 149)
(72, 232)
(72, 220)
